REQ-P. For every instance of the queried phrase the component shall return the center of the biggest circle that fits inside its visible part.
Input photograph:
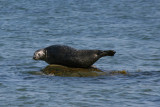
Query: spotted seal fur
(71, 57)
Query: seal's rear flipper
(107, 53)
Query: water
(130, 27)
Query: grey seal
(71, 57)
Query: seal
(71, 57)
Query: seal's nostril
(34, 57)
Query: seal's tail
(108, 53)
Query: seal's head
(39, 55)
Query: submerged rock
(59, 70)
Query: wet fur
(68, 56)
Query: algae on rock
(59, 70)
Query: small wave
(1, 58)
(35, 72)
(145, 74)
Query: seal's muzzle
(34, 57)
(39, 54)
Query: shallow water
(129, 27)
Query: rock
(59, 70)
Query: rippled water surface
(131, 27)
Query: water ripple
(131, 28)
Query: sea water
(130, 27)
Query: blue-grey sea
(130, 27)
